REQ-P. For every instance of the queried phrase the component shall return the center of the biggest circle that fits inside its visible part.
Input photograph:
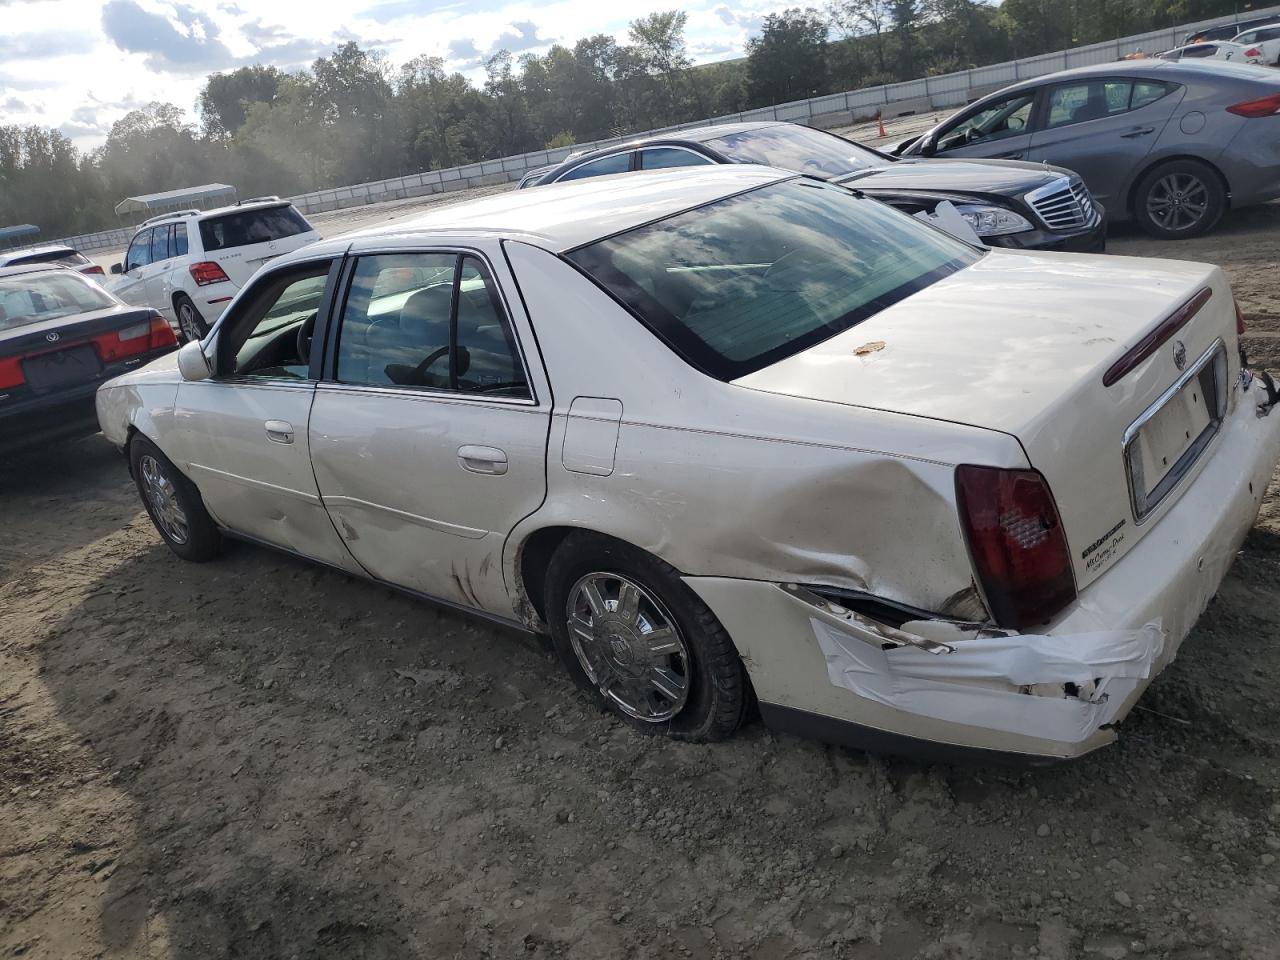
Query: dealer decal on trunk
(1103, 550)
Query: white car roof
(561, 216)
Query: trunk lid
(1020, 343)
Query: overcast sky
(79, 65)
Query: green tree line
(353, 116)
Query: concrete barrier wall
(890, 100)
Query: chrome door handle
(279, 431)
(1138, 132)
(482, 459)
(1016, 155)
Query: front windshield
(36, 297)
(797, 148)
(744, 282)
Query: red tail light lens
(206, 272)
(94, 269)
(1017, 543)
(1253, 52)
(1239, 319)
(11, 373)
(142, 337)
(1268, 106)
(161, 334)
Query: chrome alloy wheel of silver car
(1178, 201)
(162, 497)
(629, 646)
(187, 321)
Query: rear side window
(1149, 91)
(246, 227)
(1271, 33)
(618, 163)
(427, 320)
(746, 281)
(69, 257)
(160, 243)
(179, 239)
(662, 158)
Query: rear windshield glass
(66, 256)
(251, 226)
(744, 282)
(797, 148)
(36, 297)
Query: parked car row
(963, 517)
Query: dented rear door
(429, 445)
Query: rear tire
(190, 320)
(173, 503)
(1179, 199)
(643, 645)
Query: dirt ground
(260, 758)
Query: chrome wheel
(162, 497)
(188, 322)
(629, 646)
(1178, 201)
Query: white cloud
(75, 64)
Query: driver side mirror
(193, 364)
(117, 268)
(928, 146)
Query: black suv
(1007, 203)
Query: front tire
(1179, 199)
(190, 320)
(641, 643)
(173, 503)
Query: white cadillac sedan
(729, 434)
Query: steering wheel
(305, 333)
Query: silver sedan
(1170, 145)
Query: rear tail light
(94, 269)
(1017, 544)
(1268, 106)
(11, 373)
(206, 272)
(1239, 319)
(1253, 52)
(153, 333)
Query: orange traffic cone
(882, 133)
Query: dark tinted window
(662, 158)
(744, 282)
(802, 149)
(251, 226)
(399, 325)
(1270, 33)
(179, 239)
(618, 163)
(1149, 91)
(139, 254)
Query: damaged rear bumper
(935, 689)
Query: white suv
(189, 264)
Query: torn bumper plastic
(1057, 693)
